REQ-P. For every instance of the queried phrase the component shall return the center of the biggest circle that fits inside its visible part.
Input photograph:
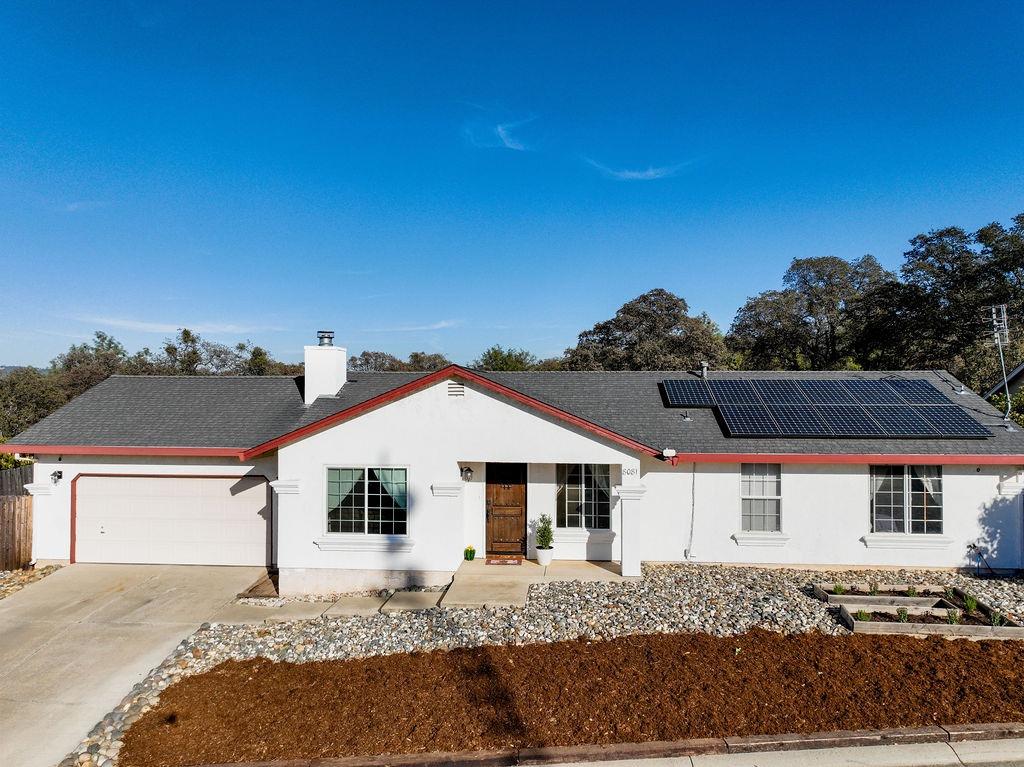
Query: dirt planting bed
(638, 688)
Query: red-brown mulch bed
(664, 687)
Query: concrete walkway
(73, 644)
(978, 753)
(477, 584)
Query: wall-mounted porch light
(467, 474)
(56, 476)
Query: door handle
(488, 507)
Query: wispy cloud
(440, 325)
(146, 326)
(81, 205)
(491, 132)
(504, 132)
(650, 173)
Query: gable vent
(456, 389)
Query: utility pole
(1001, 338)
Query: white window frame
(907, 505)
(582, 527)
(366, 534)
(744, 497)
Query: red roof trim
(452, 371)
(213, 452)
(937, 459)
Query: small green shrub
(950, 594)
(838, 589)
(997, 618)
(873, 589)
(544, 533)
(970, 602)
(903, 615)
(953, 617)
(862, 615)
(911, 591)
(469, 553)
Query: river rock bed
(717, 600)
(15, 580)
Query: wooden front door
(506, 508)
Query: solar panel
(799, 421)
(779, 392)
(902, 421)
(748, 420)
(849, 421)
(873, 392)
(734, 392)
(826, 392)
(918, 392)
(688, 393)
(952, 421)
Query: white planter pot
(544, 556)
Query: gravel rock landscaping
(716, 600)
(15, 580)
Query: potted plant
(544, 537)
(469, 553)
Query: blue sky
(444, 176)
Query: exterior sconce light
(467, 474)
(57, 476)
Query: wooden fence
(13, 481)
(15, 531)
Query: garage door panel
(173, 520)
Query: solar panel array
(827, 407)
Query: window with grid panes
(761, 497)
(906, 499)
(584, 496)
(370, 500)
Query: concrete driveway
(73, 644)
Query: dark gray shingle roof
(630, 404)
(242, 412)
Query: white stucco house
(352, 480)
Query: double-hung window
(584, 496)
(906, 499)
(761, 498)
(367, 500)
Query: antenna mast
(1001, 338)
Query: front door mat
(504, 559)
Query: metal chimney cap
(325, 337)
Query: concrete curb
(954, 733)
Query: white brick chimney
(325, 367)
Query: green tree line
(828, 314)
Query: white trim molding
(1011, 489)
(286, 486)
(39, 488)
(906, 541)
(583, 535)
(751, 538)
(341, 542)
(447, 489)
(629, 492)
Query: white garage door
(173, 520)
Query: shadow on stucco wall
(999, 540)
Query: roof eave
(933, 459)
(207, 452)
